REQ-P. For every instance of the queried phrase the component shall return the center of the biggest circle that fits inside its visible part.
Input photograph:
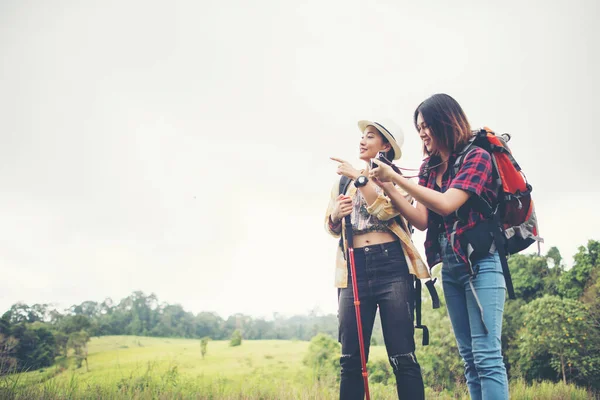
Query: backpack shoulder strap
(475, 142)
(500, 241)
(344, 183)
(479, 139)
(470, 146)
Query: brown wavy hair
(446, 120)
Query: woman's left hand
(346, 169)
(382, 173)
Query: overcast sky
(182, 148)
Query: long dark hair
(446, 121)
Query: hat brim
(362, 124)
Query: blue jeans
(383, 280)
(482, 353)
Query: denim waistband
(378, 248)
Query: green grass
(128, 367)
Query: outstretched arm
(345, 168)
(378, 204)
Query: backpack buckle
(473, 271)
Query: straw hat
(390, 130)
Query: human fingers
(338, 160)
(345, 212)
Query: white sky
(182, 148)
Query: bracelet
(333, 225)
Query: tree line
(31, 336)
(551, 331)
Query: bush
(204, 345)
(323, 355)
(236, 338)
(380, 371)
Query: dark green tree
(8, 361)
(574, 281)
(62, 340)
(75, 323)
(36, 345)
(208, 324)
(561, 331)
(528, 273)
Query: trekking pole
(357, 305)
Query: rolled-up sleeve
(382, 207)
(330, 206)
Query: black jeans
(383, 279)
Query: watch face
(361, 181)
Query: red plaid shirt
(475, 176)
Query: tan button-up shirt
(383, 209)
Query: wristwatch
(361, 181)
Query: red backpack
(515, 218)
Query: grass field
(129, 367)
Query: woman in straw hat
(386, 265)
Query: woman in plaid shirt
(446, 209)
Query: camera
(381, 157)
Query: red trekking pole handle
(363, 359)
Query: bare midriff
(371, 238)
